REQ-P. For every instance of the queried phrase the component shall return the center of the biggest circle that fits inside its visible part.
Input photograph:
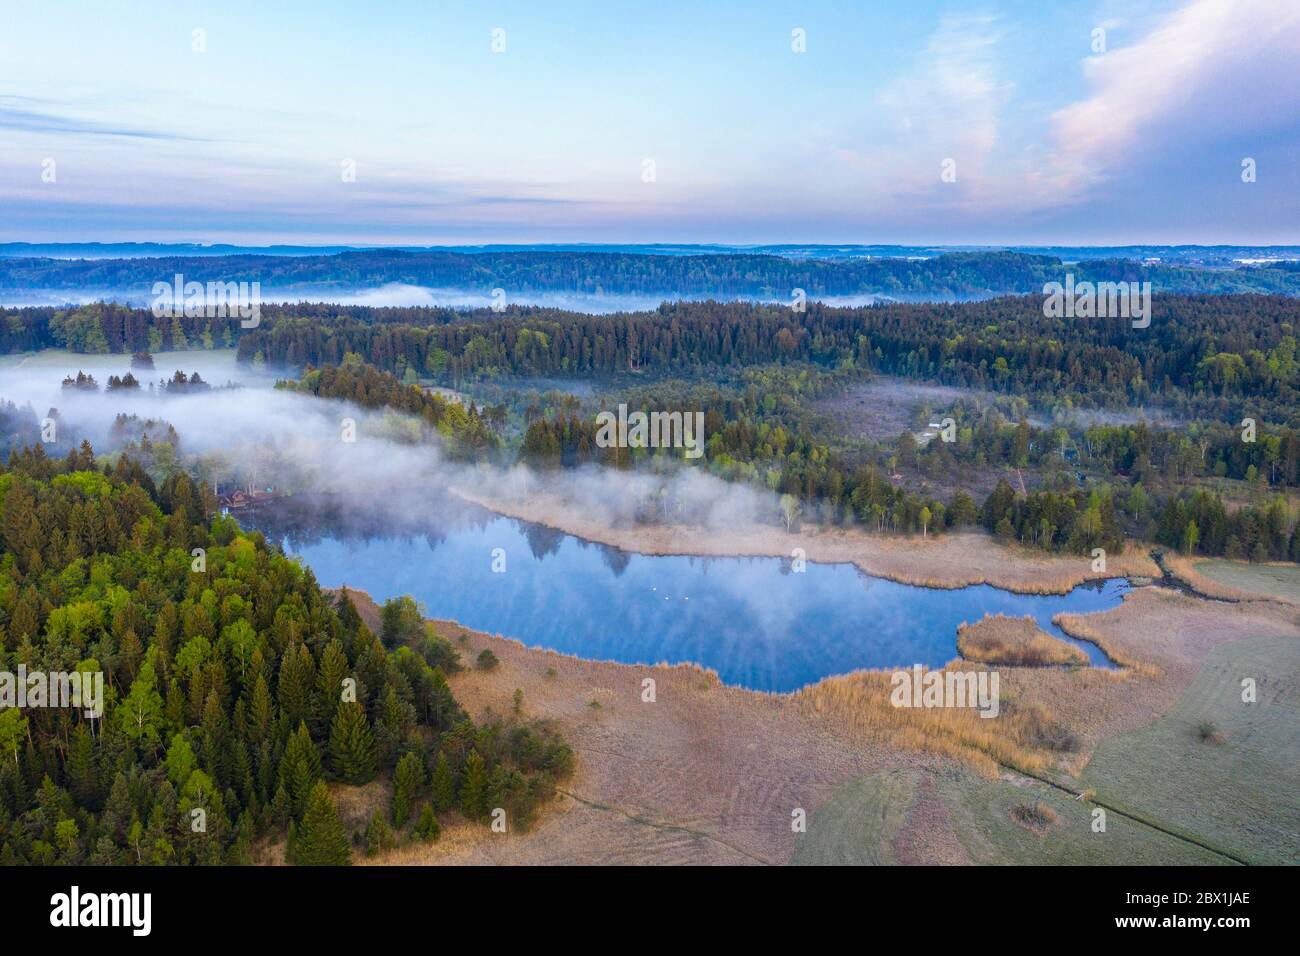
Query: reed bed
(1024, 734)
(1079, 627)
(1017, 641)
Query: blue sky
(246, 139)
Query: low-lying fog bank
(403, 295)
(294, 443)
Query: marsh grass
(1080, 628)
(1018, 641)
(1024, 734)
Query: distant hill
(951, 275)
(1214, 256)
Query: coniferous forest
(759, 373)
(234, 689)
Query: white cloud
(1212, 70)
(950, 106)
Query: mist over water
(374, 514)
(401, 295)
(756, 622)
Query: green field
(1274, 580)
(1240, 794)
(1217, 773)
(859, 825)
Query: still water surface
(753, 620)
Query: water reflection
(751, 619)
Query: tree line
(945, 276)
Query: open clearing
(883, 407)
(1215, 768)
(954, 816)
(1270, 580)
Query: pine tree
(352, 745)
(407, 780)
(444, 785)
(320, 839)
(379, 836)
(473, 790)
(427, 828)
(300, 768)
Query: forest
(235, 689)
(1210, 365)
(952, 275)
(762, 434)
(1206, 356)
(467, 434)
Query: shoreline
(944, 562)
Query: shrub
(1038, 817)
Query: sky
(873, 121)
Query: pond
(756, 621)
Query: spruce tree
(427, 828)
(379, 837)
(300, 768)
(83, 774)
(352, 745)
(407, 780)
(320, 839)
(444, 785)
(334, 669)
(473, 790)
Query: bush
(1038, 817)
(486, 660)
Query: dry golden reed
(1019, 641)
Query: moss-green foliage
(229, 680)
(352, 745)
(427, 827)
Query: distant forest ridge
(951, 275)
(1209, 353)
(1221, 255)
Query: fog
(395, 295)
(251, 434)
